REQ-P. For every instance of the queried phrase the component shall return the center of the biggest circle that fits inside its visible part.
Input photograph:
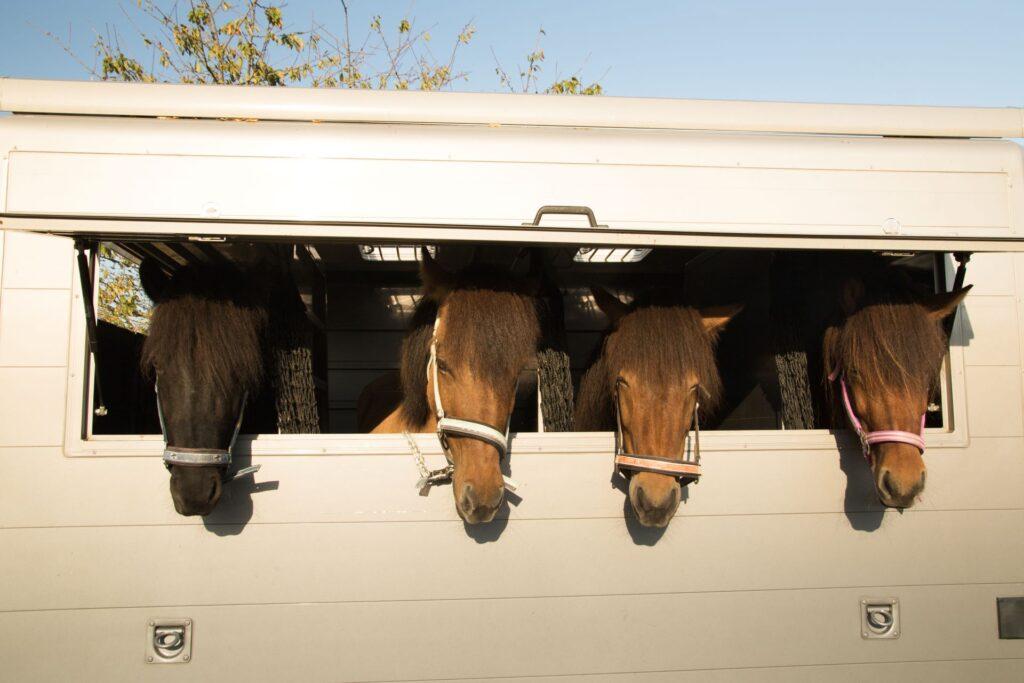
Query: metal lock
(169, 641)
(879, 618)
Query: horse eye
(443, 367)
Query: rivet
(188, 622)
(185, 658)
(149, 659)
(152, 623)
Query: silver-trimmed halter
(460, 427)
(185, 456)
(685, 471)
(867, 439)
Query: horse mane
(210, 319)
(505, 329)
(660, 343)
(415, 356)
(889, 340)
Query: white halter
(460, 427)
(452, 425)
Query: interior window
(359, 300)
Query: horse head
(656, 363)
(205, 349)
(477, 332)
(882, 359)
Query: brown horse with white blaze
(656, 362)
(882, 360)
(472, 335)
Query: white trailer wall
(339, 571)
(331, 567)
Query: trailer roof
(339, 105)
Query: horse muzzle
(476, 507)
(655, 498)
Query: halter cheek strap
(868, 439)
(184, 456)
(686, 470)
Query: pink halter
(883, 436)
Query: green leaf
(273, 15)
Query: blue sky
(895, 51)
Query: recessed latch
(879, 618)
(169, 641)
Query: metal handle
(565, 211)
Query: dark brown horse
(207, 350)
(886, 348)
(659, 359)
(485, 329)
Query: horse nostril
(885, 486)
(468, 499)
(642, 500)
(214, 489)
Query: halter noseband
(461, 427)
(184, 456)
(867, 439)
(685, 471)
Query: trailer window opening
(359, 298)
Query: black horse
(210, 350)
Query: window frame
(80, 442)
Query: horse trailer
(335, 560)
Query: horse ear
(609, 304)
(941, 305)
(154, 280)
(850, 295)
(716, 317)
(436, 280)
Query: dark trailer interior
(359, 300)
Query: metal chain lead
(428, 477)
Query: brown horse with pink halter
(884, 355)
(868, 439)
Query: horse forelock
(494, 331)
(890, 343)
(659, 345)
(210, 323)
